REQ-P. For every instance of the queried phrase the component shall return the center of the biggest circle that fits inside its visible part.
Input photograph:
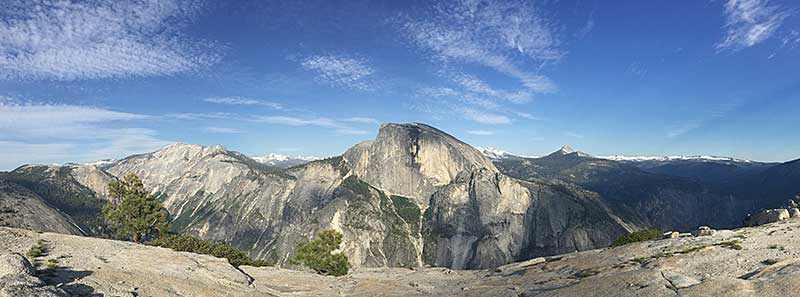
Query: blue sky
(88, 80)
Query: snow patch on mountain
(675, 158)
(284, 161)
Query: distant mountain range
(284, 161)
(412, 196)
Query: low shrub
(642, 235)
(732, 244)
(199, 246)
(52, 264)
(40, 249)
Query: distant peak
(493, 153)
(566, 150)
(284, 161)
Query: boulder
(704, 231)
(794, 212)
(767, 216)
(672, 234)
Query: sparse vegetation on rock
(216, 249)
(320, 254)
(40, 249)
(642, 235)
(134, 213)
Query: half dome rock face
(412, 160)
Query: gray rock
(16, 279)
(23, 208)
(794, 212)
(15, 264)
(376, 195)
(678, 280)
(704, 231)
(767, 216)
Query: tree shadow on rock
(67, 279)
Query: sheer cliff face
(217, 194)
(474, 216)
(413, 160)
(486, 219)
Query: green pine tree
(319, 254)
(134, 213)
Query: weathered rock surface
(376, 195)
(767, 216)
(17, 279)
(78, 191)
(663, 202)
(413, 160)
(743, 262)
(21, 208)
(217, 194)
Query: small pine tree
(319, 254)
(134, 213)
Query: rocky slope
(22, 208)
(78, 191)
(757, 261)
(414, 195)
(662, 201)
(217, 194)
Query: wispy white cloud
(244, 101)
(58, 121)
(573, 134)
(340, 71)
(362, 120)
(683, 128)
(484, 117)
(475, 85)
(444, 101)
(717, 112)
(352, 132)
(482, 132)
(637, 69)
(588, 27)
(201, 116)
(37, 132)
(16, 153)
(79, 40)
(223, 130)
(749, 22)
(294, 121)
(488, 33)
(527, 115)
(337, 126)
